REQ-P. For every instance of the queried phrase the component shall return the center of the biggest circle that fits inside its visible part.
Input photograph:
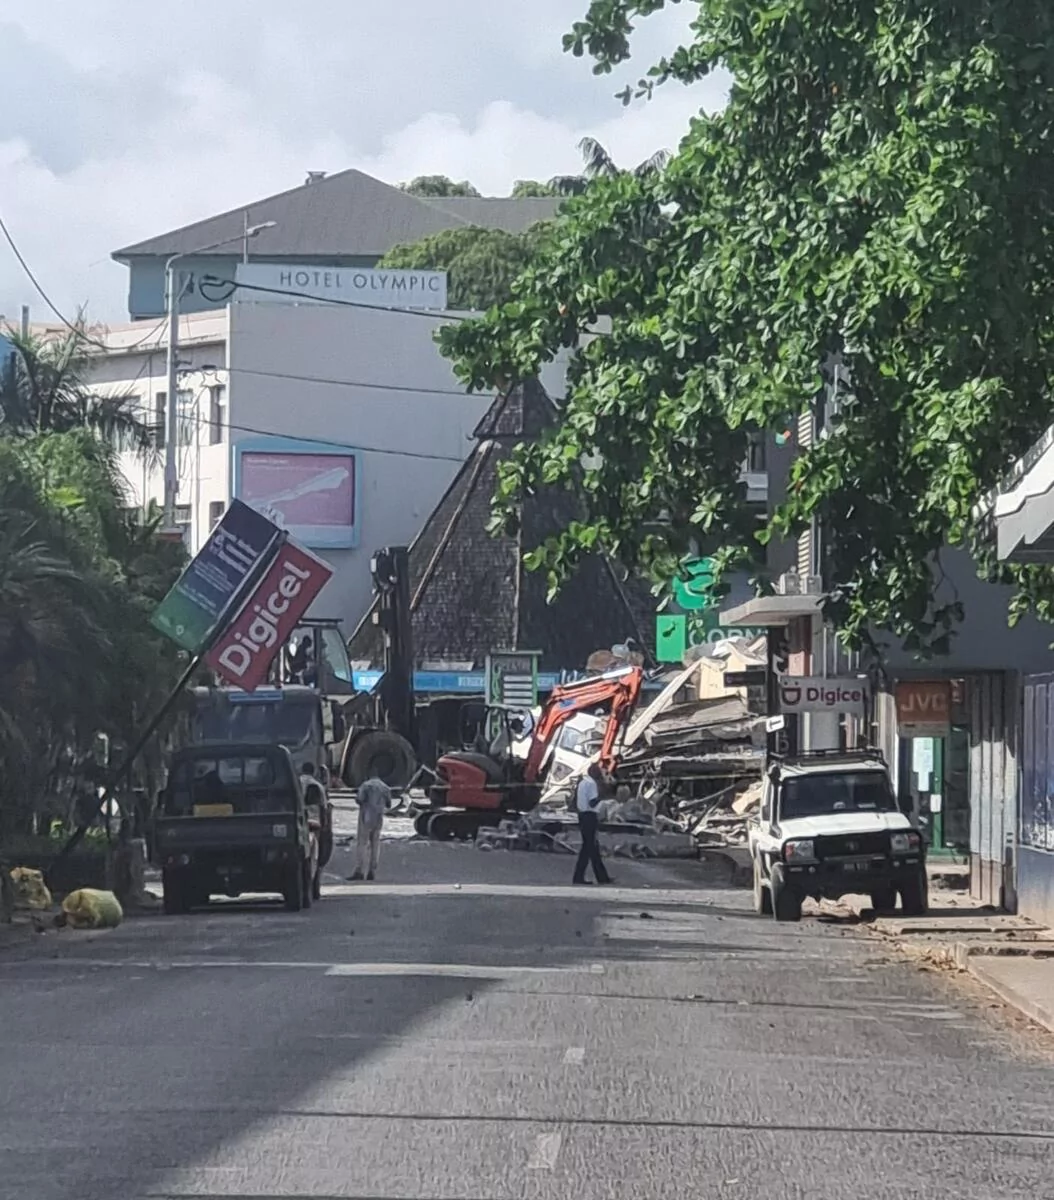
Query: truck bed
(241, 829)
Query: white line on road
(545, 1151)
(465, 970)
(575, 1055)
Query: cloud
(121, 123)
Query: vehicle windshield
(817, 794)
(246, 785)
(285, 723)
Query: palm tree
(598, 164)
(43, 390)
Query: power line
(197, 419)
(79, 330)
(212, 281)
(354, 383)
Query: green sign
(211, 584)
(676, 633)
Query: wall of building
(364, 379)
(1035, 852)
(984, 641)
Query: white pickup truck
(829, 826)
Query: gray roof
(348, 215)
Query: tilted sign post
(195, 611)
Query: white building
(346, 422)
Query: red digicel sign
(245, 651)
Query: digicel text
(262, 633)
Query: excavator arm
(620, 689)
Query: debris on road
(90, 908)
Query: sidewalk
(1011, 955)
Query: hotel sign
(262, 283)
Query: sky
(123, 119)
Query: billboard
(375, 287)
(310, 490)
(245, 650)
(209, 587)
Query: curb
(1034, 1011)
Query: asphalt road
(470, 1027)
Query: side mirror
(340, 727)
(766, 813)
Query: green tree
(80, 574)
(598, 164)
(879, 187)
(527, 189)
(482, 264)
(438, 185)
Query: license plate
(213, 810)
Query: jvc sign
(802, 694)
(923, 707)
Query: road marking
(462, 970)
(575, 1055)
(545, 1151)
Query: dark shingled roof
(347, 215)
(471, 594)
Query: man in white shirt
(587, 798)
(373, 798)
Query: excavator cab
(486, 782)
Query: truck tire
(174, 894)
(383, 754)
(786, 902)
(884, 900)
(293, 892)
(762, 895)
(914, 895)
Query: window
(217, 413)
(757, 456)
(216, 508)
(183, 521)
(185, 403)
(160, 418)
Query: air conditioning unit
(789, 584)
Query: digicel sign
(805, 694)
(244, 652)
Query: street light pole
(172, 293)
(171, 405)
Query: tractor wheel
(381, 754)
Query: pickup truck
(829, 826)
(232, 820)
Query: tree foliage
(880, 186)
(80, 574)
(481, 264)
(598, 164)
(438, 185)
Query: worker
(587, 798)
(373, 798)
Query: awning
(771, 610)
(1023, 514)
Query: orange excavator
(482, 786)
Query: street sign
(211, 584)
(245, 650)
(801, 694)
(923, 707)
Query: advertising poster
(311, 494)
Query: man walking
(587, 798)
(373, 798)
